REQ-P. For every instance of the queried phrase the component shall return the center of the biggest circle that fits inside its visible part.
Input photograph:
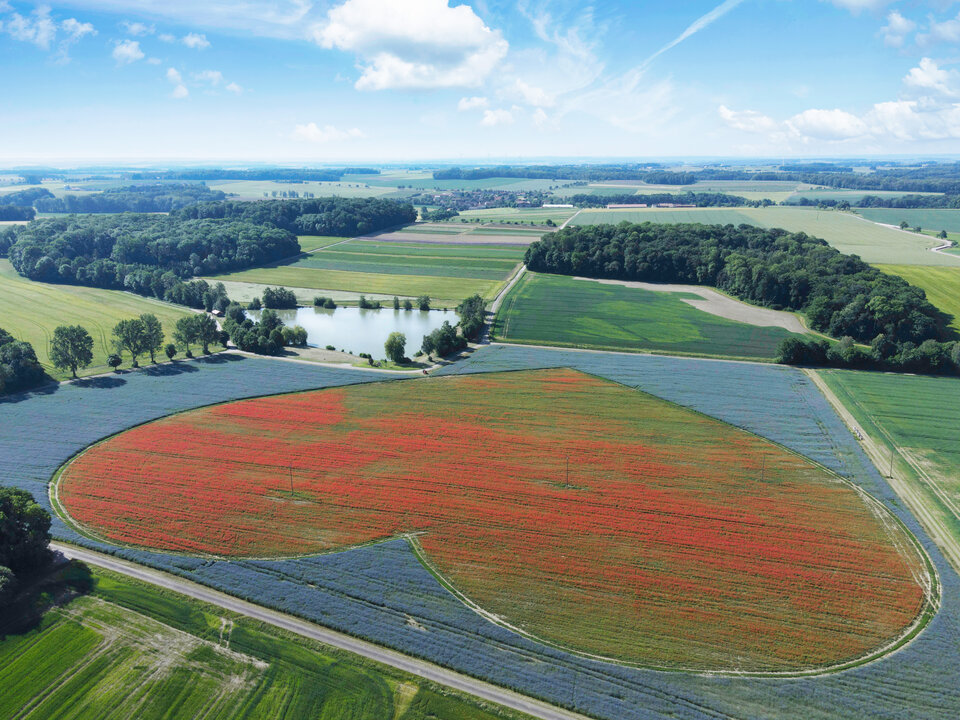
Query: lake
(357, 331)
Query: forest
(319, 216)
(839, 294)
(161, 197)
(274, 174)
(704, 199)
(16, 212)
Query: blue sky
(395, 80)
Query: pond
(357, 331)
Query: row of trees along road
(72, 346)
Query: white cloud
(234, 88)
(213, 77)
(414, 44)
(929, 76)
(39, 28)
(497, 117)
(827, 124)
(472, 103)
(74, 31)
(311, 132)
(747, 120)
(180, 92)
(154, 61)
(174, 76)
(897, 28)
(857, 6)
(196, 41)
(167, 38)
(540, 117)
(137, 29)
(538, 97)
(947, 31)
(127, 51)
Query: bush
(443, 341)
(423, 302)
(368, 304)
(255, 304)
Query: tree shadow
(169, 369)
(55, 586)
(220, 359)
(20, 395)
(103, 382)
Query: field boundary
(930, 584)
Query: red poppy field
(577, 510)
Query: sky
(297, 81)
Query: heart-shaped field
(574, 509)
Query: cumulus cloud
(127, 51)
(747, 120)
(497, 117)
(195, 41)
(137, 29)
(167, 38)
(532, 95)
(37, 28)
(930, 76)
(947, 31)
(74, 31)
(827, 124)
(472, 103)
(896, 30)
(234, 88)
(414, 44)
(180, 90)
(311, 132)
(213, 77)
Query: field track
(421, 668)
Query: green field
(446, 272)
(308, 243)
(933, 220)
(559, 310)
(132, 650)
(31, 310)
(942, 285)
(917, 416)
(844, 231)
(522, 215)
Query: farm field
(382, 593)
(31, 310)
(552, 309)
(933, 220)
(447, 272)
(309, 243)
(132, 650)
(916, 417)
(942, 285)
(656, 548)
(523, 215)
(844, 231)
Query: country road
(421, 668)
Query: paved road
(421, 668)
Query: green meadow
(564, 311)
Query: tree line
(16, 212)
(24, 541)
(19, 367)
(274, 174)
(704, 199)
(133, 198)
(646, 172)
(839, 294)
(311, 216)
